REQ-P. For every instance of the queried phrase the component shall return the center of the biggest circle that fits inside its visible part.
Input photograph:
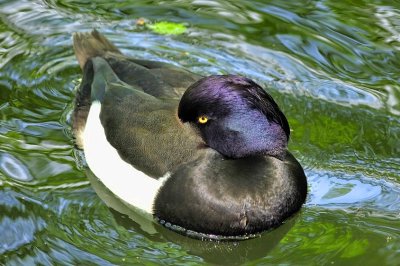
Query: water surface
(333, 67)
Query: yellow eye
(203, 119)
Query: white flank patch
(131, 185)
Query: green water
(333, 67)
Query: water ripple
(18, 232)
(10, 46)
(354, 193)
(14, 168)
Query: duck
(202, 155)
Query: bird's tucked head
(235, 116)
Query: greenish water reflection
(331, 65)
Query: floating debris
(167, 28)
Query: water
(331, 65)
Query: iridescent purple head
(235, 116)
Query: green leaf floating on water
(165, 27)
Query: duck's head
(235, 116)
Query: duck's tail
(91, 44)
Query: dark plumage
(244, 120)
(219, 142)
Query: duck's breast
(214, 195)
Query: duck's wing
(159, 79)
(155, 78)
(143, 129)
(215, 195)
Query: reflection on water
(18, 232)
(360, 194)
(14, 168)
(332, 68)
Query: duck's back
(159, 79)
(138, 105)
